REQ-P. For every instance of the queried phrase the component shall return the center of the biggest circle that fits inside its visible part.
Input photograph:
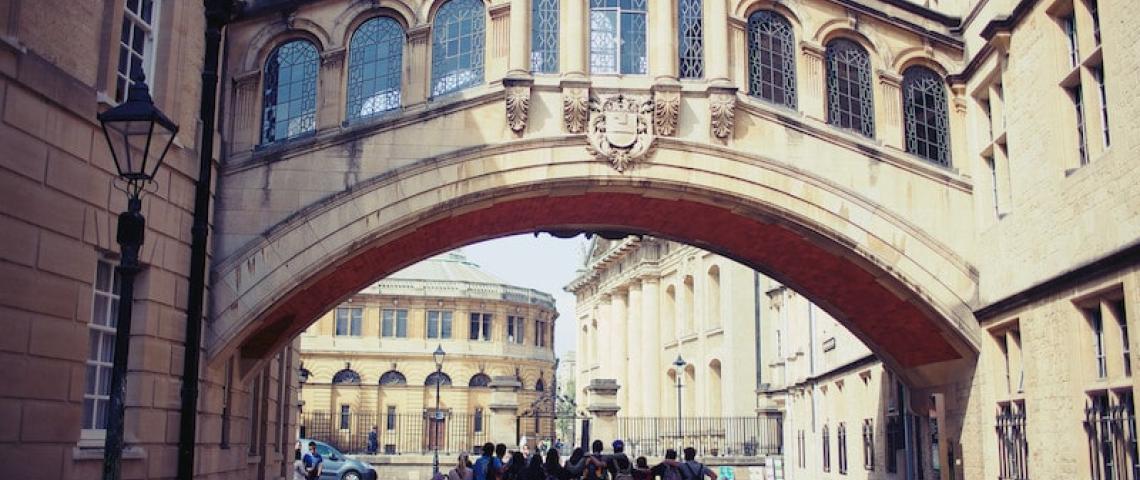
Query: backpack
(671, 473)
(623, 473)
(594, 472)
(687, 472)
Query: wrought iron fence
(397, 434)
(1012, 445)
(711, 436)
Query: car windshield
(325, 451)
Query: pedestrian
(373, 442)
(668, 469)
(576, 464)
(313, 463)
(487, 467)
(298, 464)
(533, 468)
(462, 470)
(596, 462)
(501, 452)
(641, 469)
(515, 466)
(691, 469)
(618, 464)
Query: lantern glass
(138, 134)
(438, 356)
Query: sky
(544, 263)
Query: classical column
(738, 36)
(330, 112)
(602, 324)
(651, 358)
(716, 42)
(663, 36)
(498, 41)
(616, 354)
(572, 49)
(518, 65)
(958, 127)
(633, 348)
(889, 109)
(246, 118)
(813, 96)
(504, 408)
(603, 409)
(416, 76)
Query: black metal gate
(545, 424)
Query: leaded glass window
(346, 376)
(849, 98)
(771, 58)
(375, 56)
(479, 380)
(289, 101)
(438, 378)
(927, 119)
(691, 42)
(617, 37)
(544, 36)
(457, 46)
(393, 377)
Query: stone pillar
(504, 408)
(246, 122)
(603, 409)
(573, 49)
(603, 323)
(651, 361)
(716, 42)
(958, 125)
(330, 111)
(663, 37)
(498, 41)
(416, 76)
(633, 348)
(518, 65)
(615, 362)
(738, 39)
(889, 110)
(813, 98)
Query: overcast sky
(544, 263)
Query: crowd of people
(494, 464)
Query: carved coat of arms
(620, 129)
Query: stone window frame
(925, 99)
(615, 6)
(690, 39)
(516, 330)
(444, 317)
(353, 321)
(138, 22)
(855, 58)
(441, 84)
(384, 31)
(308, 85)
(772, 23)
(105, 332)
(485, 322)
(395, 322)
(544, 53)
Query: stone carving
(518, 103)
(575, 108)
(620, 129)
(666, 112)
(722, 107)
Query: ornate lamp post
(438, 416)
(139, 135)
(680, 364)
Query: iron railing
(397, 434)
(711, 436)
(1013, 449)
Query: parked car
(338, 466)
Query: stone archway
(900, 289)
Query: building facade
(954, 181)
(369, 361)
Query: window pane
(401, 323)
(386, 327)
(691, 46)
(433, 324)
(544, 36)
(457, 46)
(446, 328)
(474, 327)
(292, 65)
(375, 65)
(771, 58)
(849, 87)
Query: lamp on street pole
(139, 135)
(680, 364)
(437, 417)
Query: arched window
(927, 120)
(617, 36)
(771, 58)
(289, 101)
(544, 36)
(691, 49)
(392, 377)
(849, 99)
(375, 56)
(438, 377)
(479, 380)
(540, 386)
(457, 46)
(712, 297)
(346, 376)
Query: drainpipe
(811, 361)
(217, 12)
(756, 308)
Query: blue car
(337, 466)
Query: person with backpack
(668, 469)
(618, 464)
(487, 467)
(691, 469)
(596, 463)
(576, 464)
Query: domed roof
(452, 275)
(452, 266)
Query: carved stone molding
(575, 106)
(333, 58)
(722, 109)
(517, 101)
(620, 129)
(666, 109)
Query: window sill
(82, 453)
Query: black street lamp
(680, 364)
(438, 416)
(139, 135)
